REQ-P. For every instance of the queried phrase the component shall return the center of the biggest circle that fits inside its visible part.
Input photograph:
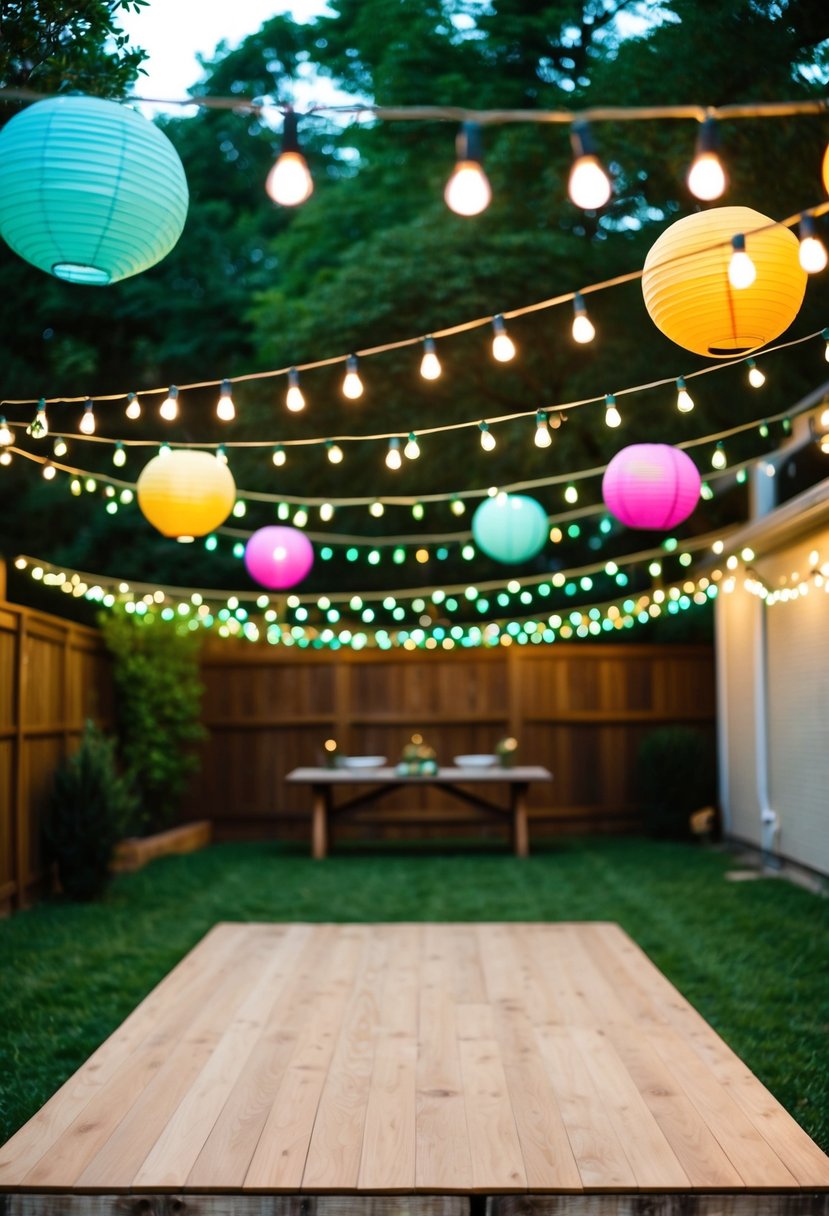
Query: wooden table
(386, 780)
(549, 1068)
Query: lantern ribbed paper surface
(90, 191)
(687, 290)
(510, 528)
(278, 558)
(186, 494)
(651, 485)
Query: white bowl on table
(475, 761)
(363, 761)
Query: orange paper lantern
(186, 494)
(687, 290)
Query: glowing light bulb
(289, 182)
(38, 428)
(756, 378)
(583, 328)
(6, 436)
(612, 417)
(376, 509)
(412, 448)
(430, 367)
(225, 409)
(394, 459)
(133, 409)
(718, 458)
(684, 400)
(49, 471)
(5, 457)
(503, 347)
(278, 457)
(221, 454)
(812, 253)
(457, 506)
(334, 451)
(588, 186)
(87, 423)
(825, 336)
(571, 494)
(487, 437)
(543, 438)
(706, 177)
(59, 447)
(741, 270)
(119, 456)
(326, 512)
(468, 191)
(294, 399)
(352, 384)
(169, 406)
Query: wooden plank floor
(451, 1059)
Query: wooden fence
(579, 709)
(53, 676)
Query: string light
(684, 400)
(49, 471)
(352, 384)
(5, 457)
(294, 399)
(487, 437)
(168, 409)
(543, 438)
(412, 448)
(225, 409)
(812, 251)
(588, 186)
(571, 494)
(457, 506)
(38, 428)
(468, 191)
(612, 417)
(718, 458)
(87, 423)
(503, 347)
(430, 368)
(59, 447)
(133, 409)
(756, 377)
(583, 328)
(119, 456)
(376, 509)
(6, 436)
(333, 451)
(825, 336)
(221, 454)
(326, 512)
(278, 456)
(706, 177)
(289, 182)
(741, 270)
(394, 459)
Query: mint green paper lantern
(510, 528)
(90, 191)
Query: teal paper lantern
(511, 528)
(90, 191)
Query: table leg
(520, 832)
(319, 823)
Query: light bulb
(588, 186)
(221, 454)
(756, 378)
(487, 437)
(583, 328)
(87, 423)
(457, 506)
(225, 409)
(412, 448)
(169, 406)
(335, 452)
(503, 347)
(684, 400)
(38, 428)
(825, 336)
(49, 471)
(5, 457)
(741, 270)
(326, 512)
(133, 409)
(119, 456)
(612, 417)
(812, 252)
(278, 457)
(571, 494)
(468, 191)
(394, 458)
(294, 399)
(543, 438)
(376, 509)
(352, 384)
(59, 447)
(6, 436)
(430, 367)
(289, 182)
(706, 177)
(718, 458)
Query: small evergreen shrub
(676, 777)
(90, 808)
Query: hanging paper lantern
(186, 494)
(651, 485)
(510, 528)
(90, 191)
(278, 558)
(690, 298)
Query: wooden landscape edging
(136, 851)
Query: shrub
(676, 777)
(158, 707)
(88, 812)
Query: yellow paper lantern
(687, 290)
(186, 494)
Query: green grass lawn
(753, 957)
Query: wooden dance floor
(549, 1061)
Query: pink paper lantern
(651, 485)
(278, 558)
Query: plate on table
(364, 761)
(475, 761)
